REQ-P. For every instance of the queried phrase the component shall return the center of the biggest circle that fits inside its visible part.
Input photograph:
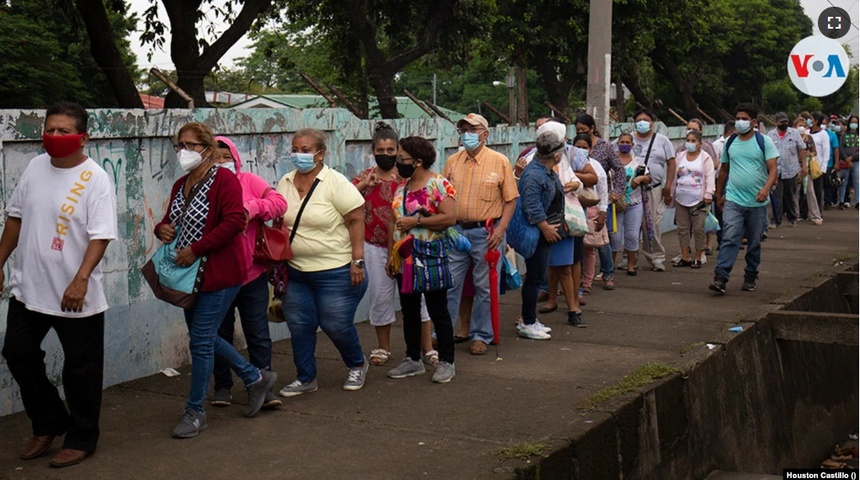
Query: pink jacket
(261, 202)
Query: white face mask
(229, 166)
(189, 159)
(801, 130)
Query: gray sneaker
(257, 392)
(444, 372)
(356, 378)
(272, 400)
(191, 424)
(407, 368)
(221, 398)
(298, 388)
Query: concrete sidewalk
(411, 428)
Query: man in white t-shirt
(61, 217)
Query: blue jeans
(203, 321)
(325, 299)
(252, 302)
(740, 222)
(481, 327)
(843, 174)
(852, 181)
(536, 268)
(606, 266)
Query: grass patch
(845, 257)
(644, 375)
(521, 451)
(818, 273)
(692, 347)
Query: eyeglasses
(187, 146)
(470, 130)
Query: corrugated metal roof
(405, 107)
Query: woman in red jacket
(209, 227)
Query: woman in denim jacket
(542, 199)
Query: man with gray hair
(791, 168)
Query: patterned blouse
(377, 209)
(191, 225)
(604, 153)
(424, 202)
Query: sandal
(696, 264)
(379, 356)
(632, 273)
(460, 339)
(431, 358)
(586, 290)
(548, 309)
(608, 284)
(683, 263)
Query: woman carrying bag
(205, 216)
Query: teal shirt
(747, 170)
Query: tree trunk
(522, 97)
(106, 54)
(192, 65)
(635, 88)
(558, 91)
(683, 86)
(382, 82)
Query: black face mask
(782, 127)
(385, 162)
(404, 170)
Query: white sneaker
(704, 259)
(541, 326)
(533, 332)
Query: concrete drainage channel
(776, 396)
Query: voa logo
(818, 66)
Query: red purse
(273, 243)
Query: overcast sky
(162, 59)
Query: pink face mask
(61, 146)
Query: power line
(849, 18)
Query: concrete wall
(144, 335)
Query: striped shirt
(483, 184)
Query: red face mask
(61, 146)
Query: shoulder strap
(266, 192)
(760, 139)
(729, 144)
(194, 191)
(650, 144)
(302, 209)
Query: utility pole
(599, 62)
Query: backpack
(759, 138)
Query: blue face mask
(691, 147)
(836, 128)
(470, 140)
(304, 162)
(743, 126)
(853, 126)
(580, 156)
(228, 166)
(643, 126)
(808, 122)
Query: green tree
(47, 55)
(377, 39)
(194, 56)
(779, 95)
(843, 100)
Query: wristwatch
(358, 263)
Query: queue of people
(398, 229)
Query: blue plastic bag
(513, 279)
(711, 223)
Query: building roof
(405, 107)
